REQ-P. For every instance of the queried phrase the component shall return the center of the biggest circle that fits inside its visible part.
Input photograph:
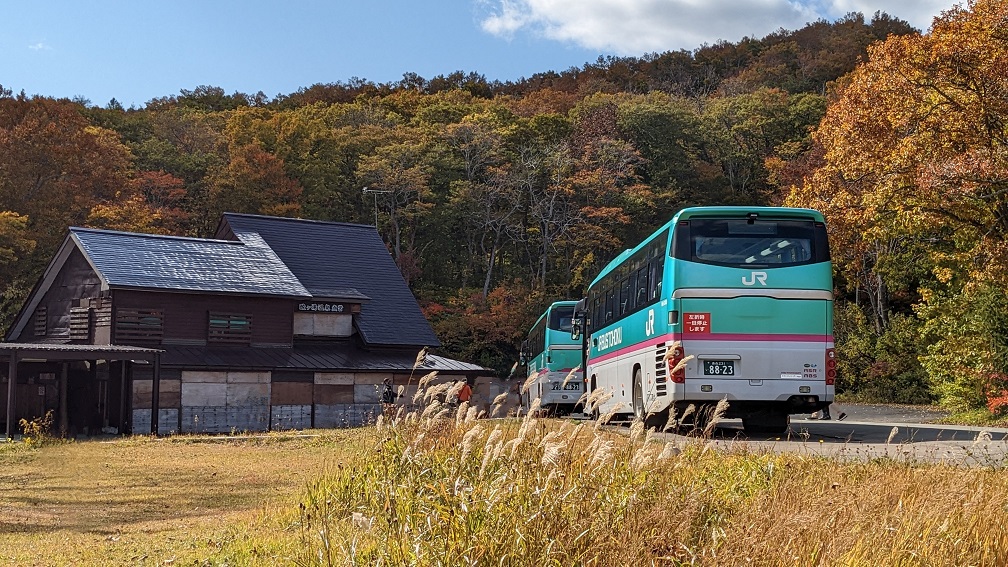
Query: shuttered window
(139, 325)
(80, 323)
(41, 312)
(233, 328)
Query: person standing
(387, 395)
(465, 393)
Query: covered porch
(43, 377)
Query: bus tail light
(677, 356)
(830, 366)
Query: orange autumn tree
(152, 203)
(914, 182)
(54, 166)
(254, 181)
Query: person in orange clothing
(465, 394)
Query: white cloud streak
(635, 27)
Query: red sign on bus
(696, 323)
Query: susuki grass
(432, 484)
(444, 488)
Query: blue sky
(137, 50)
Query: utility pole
(375, 192)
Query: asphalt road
(888, 413)
(905, 433)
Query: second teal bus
(553, 361)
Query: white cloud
(510, 18)
(919, 13)
(635, 27)
(40, 46)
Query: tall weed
(438, 489)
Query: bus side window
(656, 268)
(625, 297)
(610, 299)
(642, 287)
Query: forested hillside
(497, 198)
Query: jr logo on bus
(755, 277)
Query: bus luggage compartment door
(755, 347)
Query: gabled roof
(329, 256)
(167, 263)
(171, 263)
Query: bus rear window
(744, 242)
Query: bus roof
(743, 212)
(721, 212)
(554, 305)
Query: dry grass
(448, 489)
(142, 501)
(543, 492)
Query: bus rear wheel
(638, 395)
(594, 407)
(766, 423)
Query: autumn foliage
(913, 178)
(497, 198)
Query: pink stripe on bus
(757, 337)
(727, 337)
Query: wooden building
(276, 323)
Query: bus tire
(638, 395)
(768, 423)
(594, 410)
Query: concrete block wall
(346, 415)
(227, 402)
(284, 417)
(168, 421)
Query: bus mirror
(576, 330)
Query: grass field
(437, 488)
(144, 501)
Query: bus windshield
(561, 318)
(746, 243)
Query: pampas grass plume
(719, 411)
(570, 375)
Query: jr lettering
(755, 277)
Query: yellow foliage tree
(916, 139)
(914, 176)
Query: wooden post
(155, 395)
(11, 392)
(123, 423)
(64, 418)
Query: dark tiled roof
(342, 357)
(148, 261)
(329, 255)
(338, 294)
